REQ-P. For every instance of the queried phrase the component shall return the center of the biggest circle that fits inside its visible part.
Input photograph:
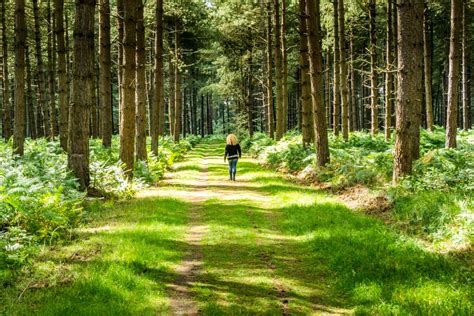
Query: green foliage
(39, 198)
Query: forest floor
(200, 244)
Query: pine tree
(20, 47)
(105, 74)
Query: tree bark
(120, 52)
(51, 73)
(127, 118)
(284, 68)
(62, 75)
(41, 77)
(82, 99)
(427, 67)
(105, 73)
(374, 94)
(20, 45)
(280, 125)
(171, 84)
(140, 91)
(389, 75)
(158, 108)
(31, 131)
(343, 73)
(454, 73)
(336, 67)
(465, 62)
(316, 79)
(354, 108)
(305, 98)
(7, 124)
(410, 85)
(178, 99)
(269, 75)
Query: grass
(272, 247)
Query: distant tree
(427, 66)
(454, 73)
(284, 67)
(178, 97)
(278, 72)
(6, 119)
(336, 109)
(158, 107)
(269, 75)
(343, 72)
(305, 98)
(127, 117)
(140, 92)
(105, 76)
(374, 94)
(20, 47)
(316, 79)
(389, 72)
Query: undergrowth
(40, 201)
(436, 201)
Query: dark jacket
(232, 151)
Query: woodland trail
(199, 244)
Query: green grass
(271, 246)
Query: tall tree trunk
(336, 85)
(316, 79)
(389, 75)
(140, 92)
(202, 116)
(305, 98)
(32, 132)
(82, 99)
(284, 68)
(343, 73)
(120, 53)
(158, 112)
(7, 124)
(41, 78)
(171, 83)
(465, 62)
(280, 125)
(410, 85)
(327, 87)
(105, 73)
(20, 46)
(427, 64)
(269, 76)
(178, 99)
(127, 118)
(62, 75)
(51, 74)
(454, 72)
(354, 109)
(374, 94)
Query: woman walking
(232, 154)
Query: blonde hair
(231, 139)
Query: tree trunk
(178, 99)
(158, 112)
(354, 109)
(269, 76)
(51, 74)
(427, 66)
(82, 99)
(105, 73)
(202, 116)
(305, 98)
(140, 92)
(41, 76)
(127, 118)
(465, 62)
(316, 79)
(389, 75)
(62, 75)
(343, 73)
(374, 94)
(454, 72)
(7, 124)
(120, 53)
(280, 125)
(284, 69)
(336, 68)
(410, 85)
(20, 45)
(171, 84)
(32, 132)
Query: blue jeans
(233, 168)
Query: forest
(354, 194)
